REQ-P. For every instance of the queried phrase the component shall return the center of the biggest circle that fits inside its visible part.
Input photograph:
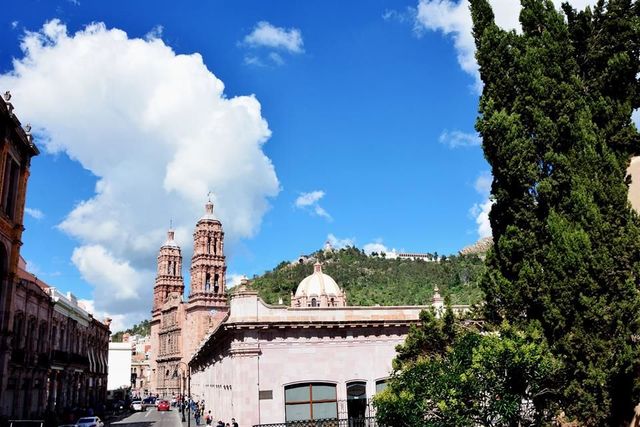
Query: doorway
(357, 403)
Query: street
(151, 418)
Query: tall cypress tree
(555, 118)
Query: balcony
(60, 357)
(18, 356)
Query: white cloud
(378, 247)
(158, 132)
(119, 322)
(339, 243)
(34, 213)
(483, 183)
(480, 211)
(276, 58)
(253, 60)
(453, 19)
(154, 33)
(234, 279)
(265, 34)
(310, 200)
(14, 24)
(456, 138)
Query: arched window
(216, 286)
(215, 246)
(314, 303)
(208, 245)
(311, 401)
(18, 330)
(357, 401)
(332, 302)
(207, 282)
(380, 385)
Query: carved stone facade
(178, 326)
(16, 150)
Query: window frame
(311, 401)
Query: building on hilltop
(178, 326)
(269, 364)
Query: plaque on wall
(265, 394)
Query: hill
(143, 329)
(371, 280)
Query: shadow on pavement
(134, 424)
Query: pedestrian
(234, 423)
(220, 423)
(196, 415)
(209, 418)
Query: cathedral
(317, 359)
(178, 326)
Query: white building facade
(275, 364)
(119, 376)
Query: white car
(137, 405)
(90, 422)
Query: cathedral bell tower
(208, 265)
(169, 274)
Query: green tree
(555, 118)
(450, 375)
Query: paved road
(151, 418)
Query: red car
(163, 405)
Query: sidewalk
(186, 419)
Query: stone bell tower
(166, 318)
(208, 265)
(169, 272)
(207, 304)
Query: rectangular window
(380, 385)
(311, 401)
(10, 186)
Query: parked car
(163, 405)
(90, 422)
(149, 400)
(137, 405)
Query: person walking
(196, 415)
(234, 423)
(209, 418)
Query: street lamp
(186, 370)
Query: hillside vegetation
(143, 329)
(371, 280)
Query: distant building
(415, 256)
(119, 366)
(314, 360)
(141, 366)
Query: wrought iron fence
(331, 422)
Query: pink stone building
(319, 359)
(178, 326)
(262, 364)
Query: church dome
(318, 284)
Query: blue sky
(369, 104)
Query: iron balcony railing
(331, 422)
